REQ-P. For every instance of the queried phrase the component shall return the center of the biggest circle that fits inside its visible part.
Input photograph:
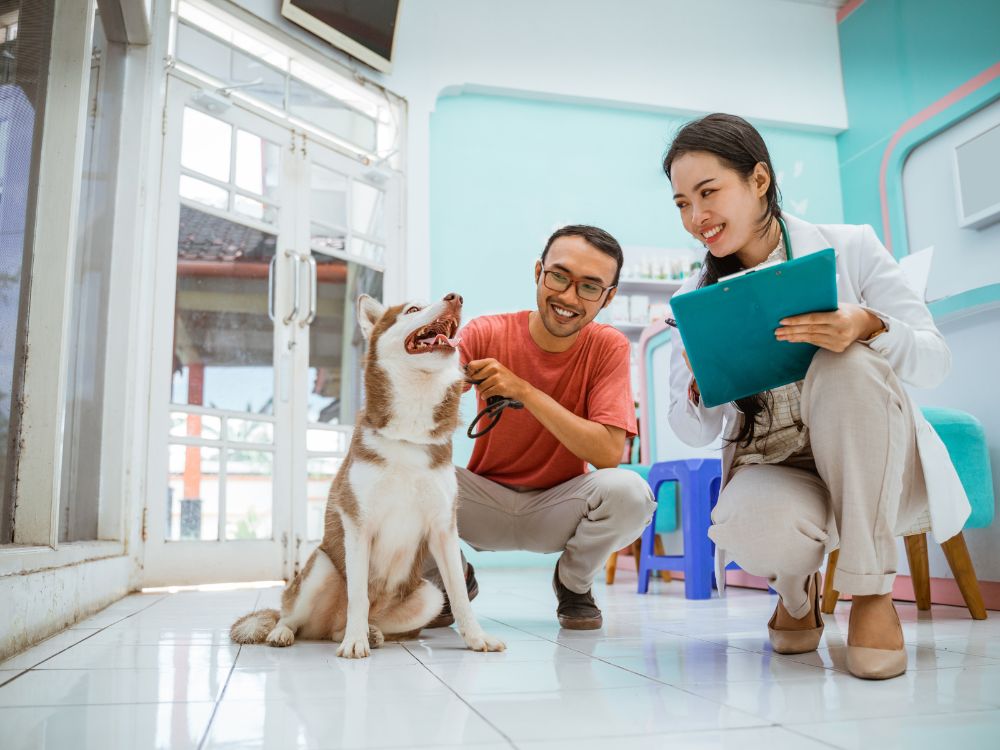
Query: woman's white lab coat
(869, 276)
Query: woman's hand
(835, 330)
(693, 393)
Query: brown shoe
(445, 618)
(575, 611)
(803, 640)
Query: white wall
(964, 258)
(768, 60)
(773, 61)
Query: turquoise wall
(506, 172)
(899, 57)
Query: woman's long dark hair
(738, 145)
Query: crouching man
(527, 486)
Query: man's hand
(595, 443)
(834, 331)
(496, 379)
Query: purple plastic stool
(699, 480)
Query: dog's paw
(282, 635)
(484, 642)
(354, 647)
(375, 637)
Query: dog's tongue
(442, 340)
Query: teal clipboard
(728, 328)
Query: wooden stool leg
(965, 575)
(916, 556)
(830, 594)
(658, 550)
(637, 552)
(610, 568)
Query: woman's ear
(761, 179)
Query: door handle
(313, 300)
(270, 287)
(296, 258)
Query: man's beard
(546, 313)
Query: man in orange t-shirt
(527, 486)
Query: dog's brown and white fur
(393, 500)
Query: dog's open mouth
(436, 336)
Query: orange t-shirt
(590, 379)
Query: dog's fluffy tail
(254, 627)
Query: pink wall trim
(918, 119)
(943, 590)
(648, 332)
(847, 8)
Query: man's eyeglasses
(558, 281)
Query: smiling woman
(826, 462)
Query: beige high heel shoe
(799, 641)
(875, 663)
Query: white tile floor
(158, 670)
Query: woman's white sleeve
(693, 423)
(911, 343)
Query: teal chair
(963, 436)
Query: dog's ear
(369, 311)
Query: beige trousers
(586, 518)
(850, 487)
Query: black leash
(494, 410)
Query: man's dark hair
(593, 236)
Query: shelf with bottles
(649, 278)
(659, 267)
(633, 313)
(628, 327)
(652, 286)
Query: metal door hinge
(145, 512)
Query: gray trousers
(586, 518)
(850, 488)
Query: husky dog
(393, 500)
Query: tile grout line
(222, 693)
(772, 723)
(456, 694)
(77, 643)
(957, 713)
(814, 739)
(651, 679)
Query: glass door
(228, 299)
(266, 241)
(345, 211)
